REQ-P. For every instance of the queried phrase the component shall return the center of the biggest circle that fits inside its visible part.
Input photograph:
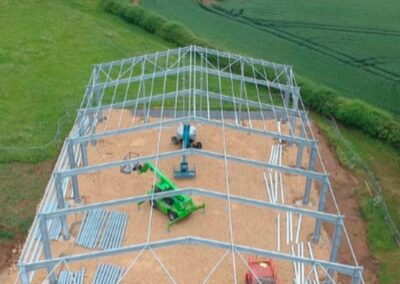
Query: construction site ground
(251, 226)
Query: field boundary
(370, 120)
(277, 31)
(371, 182)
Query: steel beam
(73, 165)
(61, 205)
(182, 51)
(321, 208)
(44, 235)
(250, 103)
(128, 103)
(332, 218)
(311, 167)
(195, 92)
(300, 147)
(23, 274)
(244, 59)
(193, 119)
(335, 247)
(187, 68)
(191, 240)
(192, 151)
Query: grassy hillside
(46, 54)
(350, 46)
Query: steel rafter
(169, 122)
(328, 217)
(192, 240)
(190, 151)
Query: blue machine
(186, 136)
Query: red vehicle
(265, 271)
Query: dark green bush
(353, 113)
(170, 31)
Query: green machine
(177, 207)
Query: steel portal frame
(199, 76)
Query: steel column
(61, 205)
(300, 150)
(23, 274)
(72, 165)
(321, 208)
(311, 167)
(335, 247)
(356, 279)
(83, 146)
(286, 100)
(295, 106)
(92, 127)
(46, 247)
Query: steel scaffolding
(189, 85)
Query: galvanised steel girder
(249, 60)
(191, 151)
(192, 240)
(328, 217)
(191, 92)
(250, 103)
(194, 119)
(190, 68)
(128, 103)
(198, 49)
(151, 56)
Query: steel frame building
(196, 78)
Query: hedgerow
(325, 101)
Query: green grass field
(46, 56)
(350, 46)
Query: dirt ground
(345, 185)
(213, 223)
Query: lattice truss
(256, 173)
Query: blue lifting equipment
(184, 171)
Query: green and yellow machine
(177, 207)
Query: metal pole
(83, 146)
(335, 247)
(92, 127)
(311, 167)
(23, 274)
(356, 279)
(321, 207)
(285, 118)
(293, 117)
(300, 149)
(61, 205)
(72, 165)
(46, 247)
(97, 92)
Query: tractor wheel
(174, 140)
(172, 215)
